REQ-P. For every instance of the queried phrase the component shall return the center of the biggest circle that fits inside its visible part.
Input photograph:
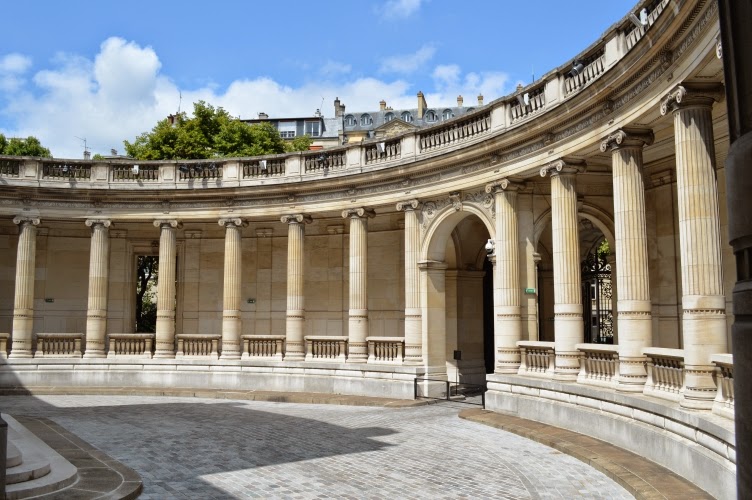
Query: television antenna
(180, 100)
(83, 139)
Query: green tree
(23, 147)
(210, 133)
(300, 143)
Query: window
(350, 121)
(431, 116)
(313, 129)
(366, 120)
(406, 116)
(388, 117)
(286, 130)
(447, 114)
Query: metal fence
(444, 390)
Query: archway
(457, 282)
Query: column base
(24, 354)
(357, 359)
(230, 356)
(94, 353)
(164, 355)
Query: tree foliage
(210, 133)
(23, 147)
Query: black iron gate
(444, 390)
(597, 304)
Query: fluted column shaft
(99, 273)
(413, 316)
(231, 322)
(165, 336)
(295, 328)
(703, 301)
(508, 324)
(23, 305)
(633, 282)
(568, 321)
(358, 314)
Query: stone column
(528, 273)
(506, 278)
(633, 305)
(413, 317)
(231, 323)
(568, 323)
(165, 336)
(23, 306)
(703, 301)
(358, 314)
(99, 273)
(295, 327)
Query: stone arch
(599, 217)
(442, 224)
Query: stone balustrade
(65, 170)
(536, 358)
(388, 350)
(528, 103)
(636, 34)
(591, 70)
(263, 346)
(198, 345)
(131, 344)
(455, 132)
(724, 400)
(263, 168)
(325, 161)
(135, 173)
(383, 151)
(665, 369)
(60, 345)
(9, 168)
(199, 170)
(326, 348)
(599, 364)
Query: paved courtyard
(213, 448)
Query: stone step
(13, 456)
(27, 471)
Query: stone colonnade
(701, 266)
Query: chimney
(341, 109)
(421, 105)
(382, 105)
(480, 99)
(173, 119)
(263, 116)
(317, 114)
(459, 101)
(87, 155)
(113, 152)
(337, 107)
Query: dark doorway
(488, 317)
(147, 271)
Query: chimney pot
(382, 105)
(459, 101)
(480, 99)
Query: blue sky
(107, 71)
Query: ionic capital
(232, 221)
(627, 137)
(504, 185)
(408, 205)
(23, 220)
(98, 222)
(296, 219)
(174, 223)
(691, 94)
(563, 166)
(358, 213)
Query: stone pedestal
(413, 333)
(506, 279)
(165, 335)
(568, 323)
(703, 301)
(23, 305)
(231, 323)
(99, 272)
(634, 307)
(295, 319)
(358, 314)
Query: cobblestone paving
(210, 448)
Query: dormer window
(431, 116)
(350, 121)
(388, 117)
(366, 120)
(447, 114)
(406, 116)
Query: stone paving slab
(99, 475)
(187, 447)
(638, 475)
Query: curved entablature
(612, 81)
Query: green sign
(530, 290)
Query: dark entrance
(596, 300)
(488, 317)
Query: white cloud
(334, 68)
(12, 67)
(122, 93)
(400, 9)
(408, 63)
